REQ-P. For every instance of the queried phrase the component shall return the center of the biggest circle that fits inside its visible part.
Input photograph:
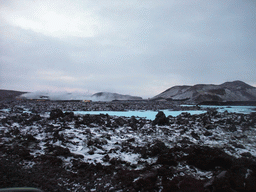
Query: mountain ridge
(228, 91)
(10, 94)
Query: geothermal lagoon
(74, 146)
(148, 114)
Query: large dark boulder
(161, 119)
(146, 182)
(69, 116)
(56, 113)
(133, 123)
(120, 121)
(157, 148)
(183, 184)
(35, 118)
(57, 151)
(93, 119)
(167, 159)
(207, 158)
(238, 178)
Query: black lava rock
(207, 158)
(157, 148)
(161, 119)
(56, 113)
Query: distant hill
(107, 96)
(228, 91)
(63, 96)
(9, 94)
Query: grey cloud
(140, 48)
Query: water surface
(143, 114)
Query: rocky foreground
(44, 145)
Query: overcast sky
(136, 47)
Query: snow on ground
(109, 141)
(131, 143)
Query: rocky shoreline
(52, 149)
(46, 106)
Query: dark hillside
(228, 91)
(9, 94)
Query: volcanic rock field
(46, 146)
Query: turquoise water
(144, 114)
(232, 109)
(152, 114)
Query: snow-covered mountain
(107, 96)
(228, 91)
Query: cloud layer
(129, 47)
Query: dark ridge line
(234, 103)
